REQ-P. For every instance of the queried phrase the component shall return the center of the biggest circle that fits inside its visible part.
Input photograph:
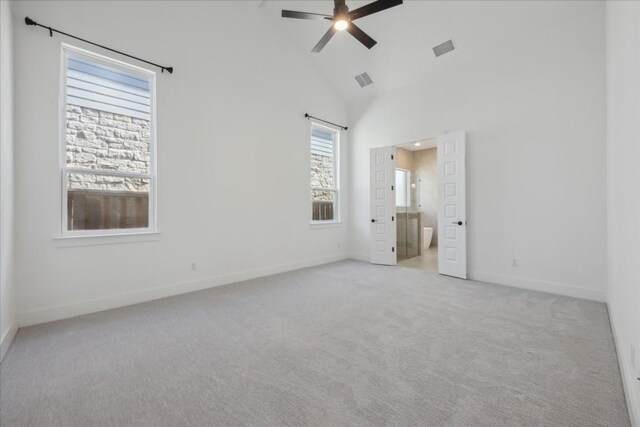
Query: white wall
(533, 104)
(233, 155)
(623, 155)
(8, 295)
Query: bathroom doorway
(430, 231)
(417, 205)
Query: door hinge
(392, 157)
(393, 249)
(393, 218)
(392, 188)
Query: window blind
(321, 142)
(94, 85)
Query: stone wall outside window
(322, 176)
(106, 141)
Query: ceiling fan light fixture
(341, 24)
(343, 20)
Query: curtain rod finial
(29, 21)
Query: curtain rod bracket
(29, 21)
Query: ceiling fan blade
(374, 7)
(361, 36)
(304, 15)
(324, 40)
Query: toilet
(427, 234)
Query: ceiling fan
(343, 20)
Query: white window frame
(336, 170)
(66, 51)
(407, 204)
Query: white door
(452, 214)
(383, 206)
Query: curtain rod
(30, 21)
(308, 116)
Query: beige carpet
(343, 344)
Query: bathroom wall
(425, 165)
(404, 159)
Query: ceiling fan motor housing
(341, 10)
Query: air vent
(363, 79)
(443, 48)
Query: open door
(383, 206)
(452, 207)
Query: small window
(108, 171)
(401, 188)
(324, 174)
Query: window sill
(325, 224)
(105, 239)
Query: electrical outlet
(194, 266)
(515, 263)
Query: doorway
(417, 205)
(418, 220)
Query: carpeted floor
(342, 344)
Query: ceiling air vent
(443, 48)
(363, 79)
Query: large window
(324, 173)
(108, 169)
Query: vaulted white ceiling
(406, 35)
(344, 57)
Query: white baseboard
(628, 378)
(50, 314)
(539, 285)
(6, 340)
(523, 283)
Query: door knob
(457, 222)
(373, 220)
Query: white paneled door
(383, 206)
(452, 214)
